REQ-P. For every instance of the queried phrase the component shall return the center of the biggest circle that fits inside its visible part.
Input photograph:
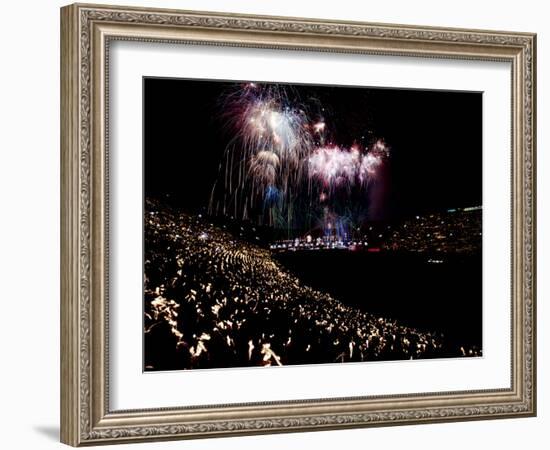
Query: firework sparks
(336, 167)
(319, 127)
(264, 161)
(277, 156)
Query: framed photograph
(275, 224)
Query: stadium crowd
(454, 231)
(212, 300)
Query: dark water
(441, 297)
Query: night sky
(435, 139)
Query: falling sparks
(319, 127)
(336, 166)
(279, 159)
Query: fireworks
(334, 166)
(267, 124)
(263, 165)
(319, 127)
(277, 162)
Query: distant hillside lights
(458, 230)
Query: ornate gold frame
(86, 31)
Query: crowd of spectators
(213, 300)
(453, 231)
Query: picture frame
(87, 33)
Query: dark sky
(435, 139)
